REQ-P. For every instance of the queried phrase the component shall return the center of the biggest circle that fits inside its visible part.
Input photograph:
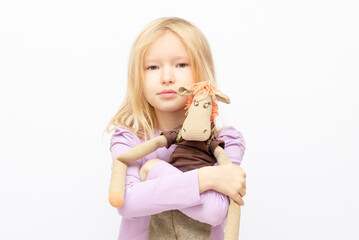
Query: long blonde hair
(136, 114)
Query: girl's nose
(167, 76)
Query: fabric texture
(167, 188)
(173, 225)
(189, 155)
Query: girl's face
(166, 68)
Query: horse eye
(206, 104)
(196, 103)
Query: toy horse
(196, 147)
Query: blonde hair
(136, 114)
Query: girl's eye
(152, 67)
(182, 65)
(206, 105)
(195, 103)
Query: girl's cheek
(184, 71)
(149, 76)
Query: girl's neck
(169, 120)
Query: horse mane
(209, 89)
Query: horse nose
(205, 131)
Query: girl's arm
(168, 188)
(212, 208)
(157, 195)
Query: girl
(167, 54)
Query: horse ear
(184, 91)
(222, 97)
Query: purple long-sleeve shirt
(167, 188)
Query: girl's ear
(184, 91)
(222, 97)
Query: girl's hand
(228, 179)
(145, 169)
(231, 181)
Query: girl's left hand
(145, 169)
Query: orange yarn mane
(209, 89)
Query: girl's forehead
(154, 58)
(167, 45)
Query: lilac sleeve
(168, 188)
(235, 144)
(213, 207)
(156, 195)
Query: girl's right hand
(228, 179)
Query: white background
(289, 67)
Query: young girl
(167, 54)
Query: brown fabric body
(190, 155)
(187, 156)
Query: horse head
(201, 110)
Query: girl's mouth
(167, 94)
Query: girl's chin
(171, 109)
(170, 105)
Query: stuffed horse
(196, 147)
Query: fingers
(142, 174)
(145, 169)
(243, 183)
(242, 191)
(244, 175)
(150, 163)
(232, 182)
(238, 199)
(242, 186)
(238, 195)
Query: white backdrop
(290, 69)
